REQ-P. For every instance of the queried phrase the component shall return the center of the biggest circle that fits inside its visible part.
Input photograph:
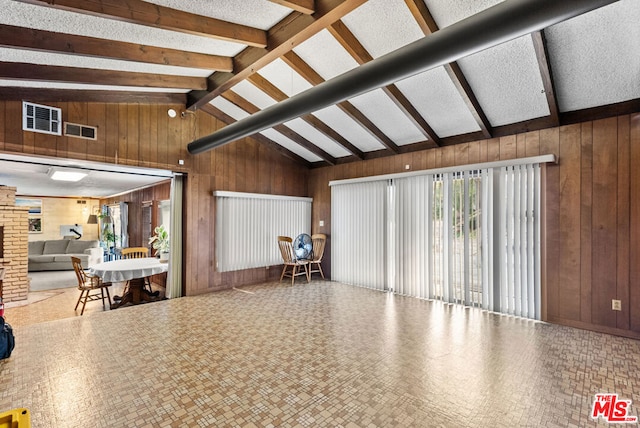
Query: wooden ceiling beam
(225, 118)
(282, 38)
(428, 26)
(308, 73)
(351, 44)
(275, 93)
(542, 55)
(303, 6)
(39, 40)
(51, 73)
(153, 15)
(64, 95)
(245, 105)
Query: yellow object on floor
(16, 418)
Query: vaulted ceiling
(234, 58)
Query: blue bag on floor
(7, 341)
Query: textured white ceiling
(87, 87)
(229, 108)
(348, 128)
(318, 138)
(592, 64)
(379, 108)
(448, 12)
(255, 96)
(237, 113)
(594, 58)
(325, 55)
(63, 60)
(49, 19)
(237, 11)
(383, 26)
(433, 94)
(506, 80)
(284, 78)
(285, 142)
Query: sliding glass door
(465, 237)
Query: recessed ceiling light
(66, 174)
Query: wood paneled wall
(592, 196)
(143, 135)
(135, 200)
(129, 134)
(592, 212)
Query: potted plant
(160, 242)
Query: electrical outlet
(321, 223)
(616, 305)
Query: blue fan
(303, 246)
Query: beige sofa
(56, 254)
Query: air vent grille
(39, 118)
(80, 131)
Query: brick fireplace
(14, 237)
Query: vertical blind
(468, 237)
(248, 225)
(358, 230)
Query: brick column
(14, 247)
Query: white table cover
(126, 269)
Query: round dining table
(133, 271)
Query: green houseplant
(160, 242)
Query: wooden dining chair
(285, 244)
(137, 253)
(91, 287)
(319, 241)
(134, 252)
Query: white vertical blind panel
(438, 228)
(447, 233)
(358, 221)
(534, 305)
(247, 229)
(486, 235)
(413, 238)
(469, 237)
(520, 241)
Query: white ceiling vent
(39, 118)
(80, 131)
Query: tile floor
(311, 355)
